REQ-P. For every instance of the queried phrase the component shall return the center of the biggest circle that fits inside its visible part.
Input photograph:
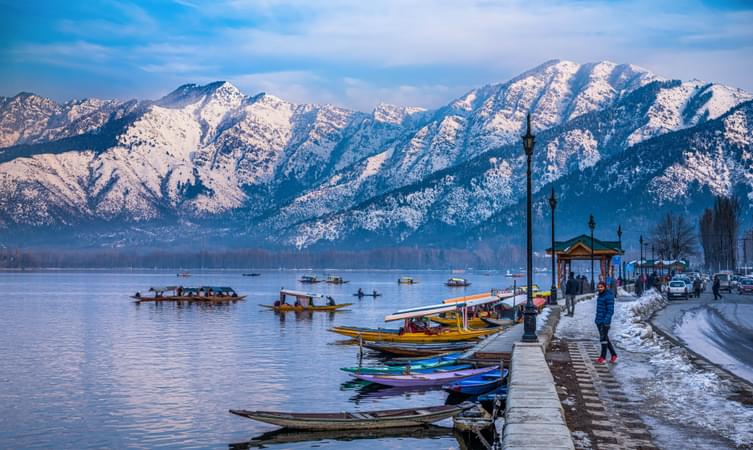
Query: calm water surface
(82, 366)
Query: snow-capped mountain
(261, 169)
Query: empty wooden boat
(356, 420)
(478, 384)
(427, 349)
(424, 379)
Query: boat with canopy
(304, 301)
(416, 327)
(190, 294)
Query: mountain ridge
(264, 167)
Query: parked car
(678, 289)
(745, 286)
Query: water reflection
(82, 366)
(286, 436)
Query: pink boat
(424, 379)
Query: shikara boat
(478, 384)
(424, 379)
(304, 301)
(309, 279)
(406, 280)
(334, 279)
(416, 361)
(427, 349)
(450, 364)
(356, 420)
(183, 275)
(217, 294)
(431, 334)
(252, 274)
(473, 322)
(416, 328)
(457, 282)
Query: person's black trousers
(605, 342)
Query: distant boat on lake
(457, 282)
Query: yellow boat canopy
(475, 300)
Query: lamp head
(552, 201)
(528, 139)
(591, 222)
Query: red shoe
(613, 359)
(600, 360)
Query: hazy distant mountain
(210, 161)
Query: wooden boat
(183, 275)
(492, 396)
(406, 280)
(212, 294)
(334, 279)
(368, 294)
(478, 384)
(415, 361)
(452, 367)
(253, 274)
(457, 282)
(304, 301)
(433, 334)
(406, 349)
(473, 322)
(474, 420)
(443, 363)
(423, 379)
(287, 308)
(514, 275)
(498, 322)
(309, 279)
(356, 420)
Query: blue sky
(355, 53)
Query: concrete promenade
(534, 418)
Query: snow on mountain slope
(303, 173)
(27, 118)
(718, 168)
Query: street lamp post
(592, 225)
(653, 263)
(643, 283)
(619, 243)
(553, 290)
(529, 316)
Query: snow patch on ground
(680, 392)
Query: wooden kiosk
(579, 248)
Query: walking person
(697, 287)
(715, 288)
(571, 290)
(604, 311)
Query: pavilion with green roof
(579, 248)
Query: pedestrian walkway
(614, 420)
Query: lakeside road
(654, 397)
(720, 331)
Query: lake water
(82, 366)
